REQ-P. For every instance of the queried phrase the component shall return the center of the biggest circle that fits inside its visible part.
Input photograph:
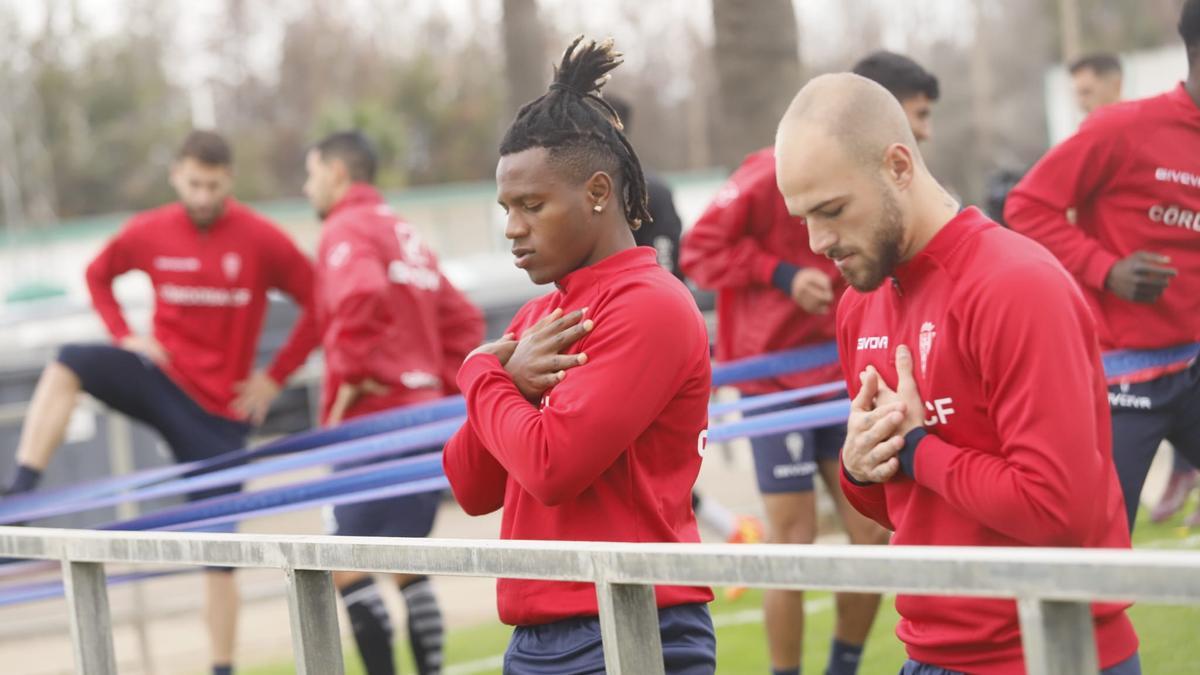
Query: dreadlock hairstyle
(580, 130)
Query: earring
(598, 209)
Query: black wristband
(853, 480)
(782, 277)
(908, 455)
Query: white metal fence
(1052, 587)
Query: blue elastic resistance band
(360, 478)
(1127, 361)
(362, 449)
(369, 425)
(374, 447)
(774, 364)
(231, 508)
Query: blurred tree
(1121, 25)
(757, 56)
(94, 119)
(433, 107)
(527, 66)
(13, 105)
(89, 121)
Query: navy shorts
(131, 384)
(1130, 666)
(407, 516)
(574, 645)
(1146, 413)
(788, 462)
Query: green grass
(1168, 633)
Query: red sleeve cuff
(764, 269)
(1096, 271)
(852, 480)
(474, 368)
(279, 374)
(869, 495)
(931, 465)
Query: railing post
(1059, 637)
(91, 623)
(629, 629)
(121, 462)
(312, 605)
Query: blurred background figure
(395, 331)
(211, 261)
(1096, 81)
(1122, 173)
(663, 234)
(916, 88)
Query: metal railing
(1052, 587)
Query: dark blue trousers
(574, 646)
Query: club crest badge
(231, 264)
(926, 344)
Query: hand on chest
(547, 349)
(930, 362)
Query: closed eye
(831, 213)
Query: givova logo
(1187, 178)
(1124, 399)
(873, 342)
(176, 264)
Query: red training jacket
(1132, 173)
(1019, 451)
(611, 453)
(385, 310)
(210, 295)
(734, 249)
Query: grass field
(1168, 634)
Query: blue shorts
(1130, 666)
(407, 516)
(788, 462)
(1146, 413)
(574, 645)
(133, 385)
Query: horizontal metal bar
(1054, 574)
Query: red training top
(1019, 444)
(610, 453)
(385, 310)
(1132, 173)
(210, 294)
(737, 249)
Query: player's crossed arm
(536, 362)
